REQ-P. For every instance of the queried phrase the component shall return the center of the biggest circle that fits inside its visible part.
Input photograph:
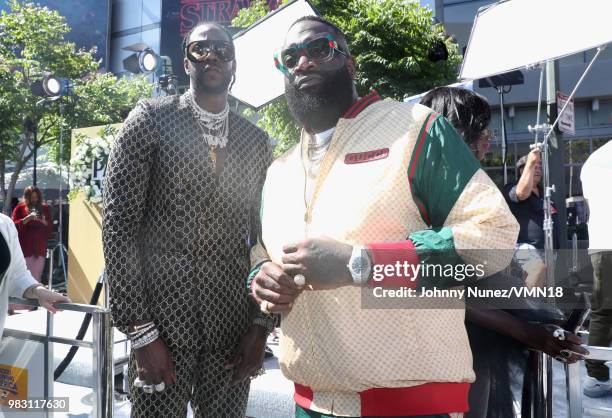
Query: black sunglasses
(198, 51)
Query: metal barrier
(101, 345)
(574, 385)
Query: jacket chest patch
(367, 156)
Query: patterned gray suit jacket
(176, 235)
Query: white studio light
(142, 60)
(52, 86)
(258, 82)
(148, 61)
(514, 34)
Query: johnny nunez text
(470, 292)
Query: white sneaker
(594, 388)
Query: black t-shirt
(530, 215)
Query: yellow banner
(13, 383)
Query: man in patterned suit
(181, 202)
(373, 183)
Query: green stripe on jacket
(440, 167)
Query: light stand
(59, 246)
(501, 90)
(63, 252)
(503, 85)
(52, 89)
(542, 399)
(31, 127)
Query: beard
(204, 86)
(320, 107)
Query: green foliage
(32, 43)
(390, 39)
(249, 15)
(276, 119)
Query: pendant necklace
(214, 127)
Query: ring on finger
(559, 334)
(265, 306)
(148, 389)
(561, 359)
(565, 353)
(299, 279)
(160, 387)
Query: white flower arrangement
(89, 160)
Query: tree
(391, 41)
(32, 44)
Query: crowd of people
(372, 182)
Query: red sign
(364, 157)
(223, 11)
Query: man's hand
(534, 158)
(323, 261)
(540, 337)
(249, 355)
(274, 288)
(154, 364)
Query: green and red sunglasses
(318, 50)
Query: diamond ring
(559, 334)
(299, 279)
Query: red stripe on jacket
(427, 399)
(415, 158)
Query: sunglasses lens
(224, 51)
(290, 57)
(316, 50)
(199, 50)
(319, 49)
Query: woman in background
(33, 221)
(497, 337)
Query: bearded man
(372, 183)
(181, 199)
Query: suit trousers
(200, 379)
